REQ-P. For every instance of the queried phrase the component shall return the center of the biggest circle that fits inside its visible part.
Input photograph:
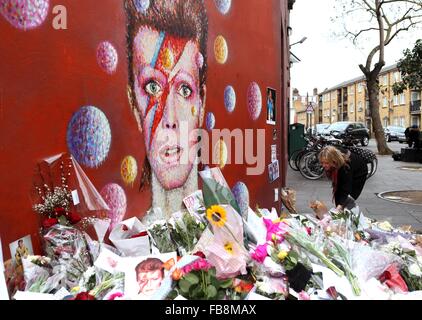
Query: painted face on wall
(169, 102)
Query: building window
(402, 99)
(352, 107)
(401, 121)
(416, 95)
(360, 87)
(396, 121)
(397, 76)
(385, 102)
(352, 90)
(385, 122)
(360, 109)
(396, 100)
(416, 121)
(385, 80)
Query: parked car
(318, 129)
(393, 133)
(356, 130)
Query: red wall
(46, 75)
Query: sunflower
(217, 216)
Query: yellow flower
(75, 289)
(282, 255)
(229, 247)
(217, 216)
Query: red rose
(84, 296)
(141, 234)
(59, 212)
(199, 254)
(74, 218)
(125, 228)
(309, 231)
(48, 223)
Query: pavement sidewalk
(389, 177)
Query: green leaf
(211, 292)
(184, 285)
(221, 295)
(226, 283)
(191, 278)
(212, 272)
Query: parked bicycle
(306, 160)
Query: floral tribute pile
(218, 252)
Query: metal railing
(415, 106)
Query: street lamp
(300, 41)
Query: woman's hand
(339, 207)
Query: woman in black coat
(348, 173)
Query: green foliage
(187, 232)
(410, 67)
(413, 283)
(203, 285)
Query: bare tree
(384, 20)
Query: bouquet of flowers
(56, 208)
(185, 231)
(199, 282)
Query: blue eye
(153, 88)
(185, 91)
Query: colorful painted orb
(221, 50)
(241, 194)
(115, 198)
(210, 122)
(142, 5)
(223, 5)
(129, 170)
(230, 99)
(107, 57)
(25, 14)
(89, 136)
(254, 100)
(220, 153)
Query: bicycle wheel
(309, 166)
(372, 167)
(292, 159)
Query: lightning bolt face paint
(166, 73)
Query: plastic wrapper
(216, 191)
(63, 171)
(67, 247)
(130, 237)
(369, 263)
(288, 198)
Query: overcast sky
(327, 60)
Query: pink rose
(201, 264)
(304, 296)
(187, 269)
(260, 253)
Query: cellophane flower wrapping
(130, 237)
(216, 191)
(227, 252)
(67, 247)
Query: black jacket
(350, 179)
